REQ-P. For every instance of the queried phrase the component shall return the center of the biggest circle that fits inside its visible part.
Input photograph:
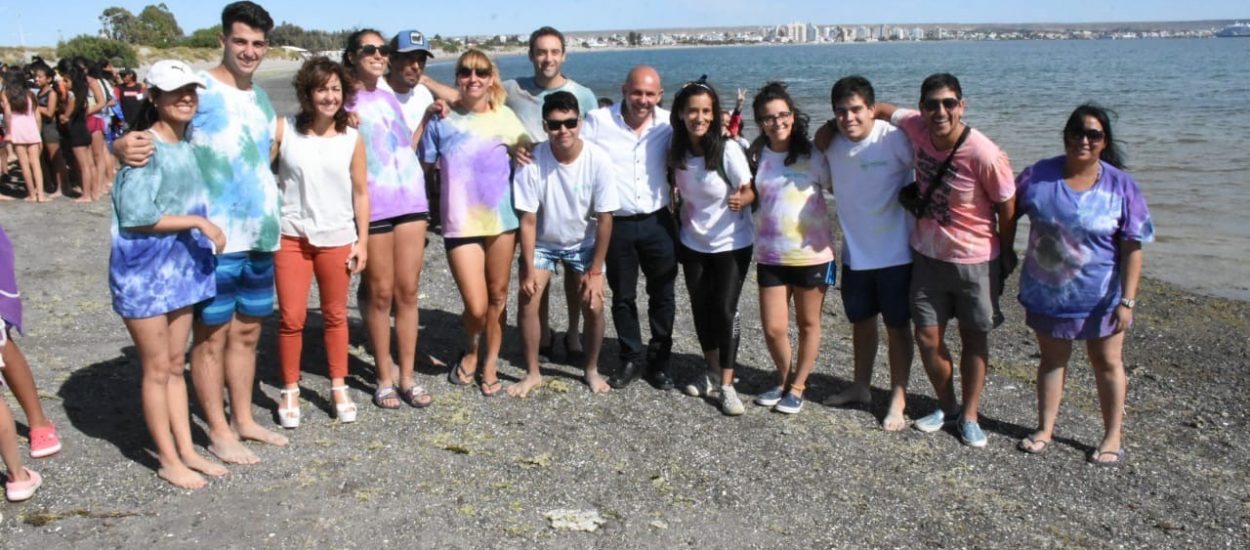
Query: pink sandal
(44, 442)
(17, 491)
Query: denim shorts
(244, 284)
(577, 259)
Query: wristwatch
(1128, 302)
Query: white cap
(170, 74)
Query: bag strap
(938, 177)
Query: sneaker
(701, 386)
(971, 435)
(790, 404)
(44, 442)
(934, 421)
(770, 397)
(730, 405)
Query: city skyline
(43, 24)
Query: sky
(42, 22)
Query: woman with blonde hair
(472, 144)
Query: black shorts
(79, 135)
(801, 276)
(387, 225)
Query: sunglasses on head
(370, 49)
(554, 125)
(465, 72)
(1094, 135)
(931, 105)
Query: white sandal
(288, 417)
(346, 411)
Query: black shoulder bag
(909, 196)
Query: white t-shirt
(707, 223)
(414, 102)
(867, 176)
(639, 161)
(314, 174)
(566, 197)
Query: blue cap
(410, 41)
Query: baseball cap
(170, 74)
(410, 41)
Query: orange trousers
(295, 263)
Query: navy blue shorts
(885, 291)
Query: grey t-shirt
(525, 98)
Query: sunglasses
(1092, 134)
(370, 49)
(931, 105)
(555, 125)
(466, 72)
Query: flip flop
(490, 389)
(382, 394)
(456, 373)
(1028, 445)
(1119, 458)
(412, 396)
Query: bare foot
(5, 197)
(32, 199)
(596, 382)
(82, 199)
(231, 451)
(255, 432)
(522, 388)
(203, 465)
(182, 477)
(894, 421)
(854, 395)
(55, 195)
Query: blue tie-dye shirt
(155, 273)
(1071, 268)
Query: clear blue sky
(41, 22)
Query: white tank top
(314, 175)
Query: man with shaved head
(636, 135)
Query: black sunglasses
(1094, 135)
(555, 125)
(370, 49)
(465, 72)
(931, 105)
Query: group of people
(59, 121)
(928, 209)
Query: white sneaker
(730, 405)
(700, 387)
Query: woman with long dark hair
(1088, 220)
(23, 121)
(793, 241)
(75, 119)
(398, 220)
(716, 232)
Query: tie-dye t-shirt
(472, 153)
(960, 227)
(155, 273)
(1071, 268)
(792, 224)
(396, 181)
(232, 132)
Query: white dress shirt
(639, 159)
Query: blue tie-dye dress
(152, 274)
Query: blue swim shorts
(244, 285)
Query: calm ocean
(1183, 116)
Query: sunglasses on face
(931, 105)
(466, 72)
(1094, 135)
(555, 125)
(370, 49)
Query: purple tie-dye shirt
(1072, 264)
(396, 181)
(472, 153)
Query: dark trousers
(648, 242)
(714, 282)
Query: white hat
(170, 74)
